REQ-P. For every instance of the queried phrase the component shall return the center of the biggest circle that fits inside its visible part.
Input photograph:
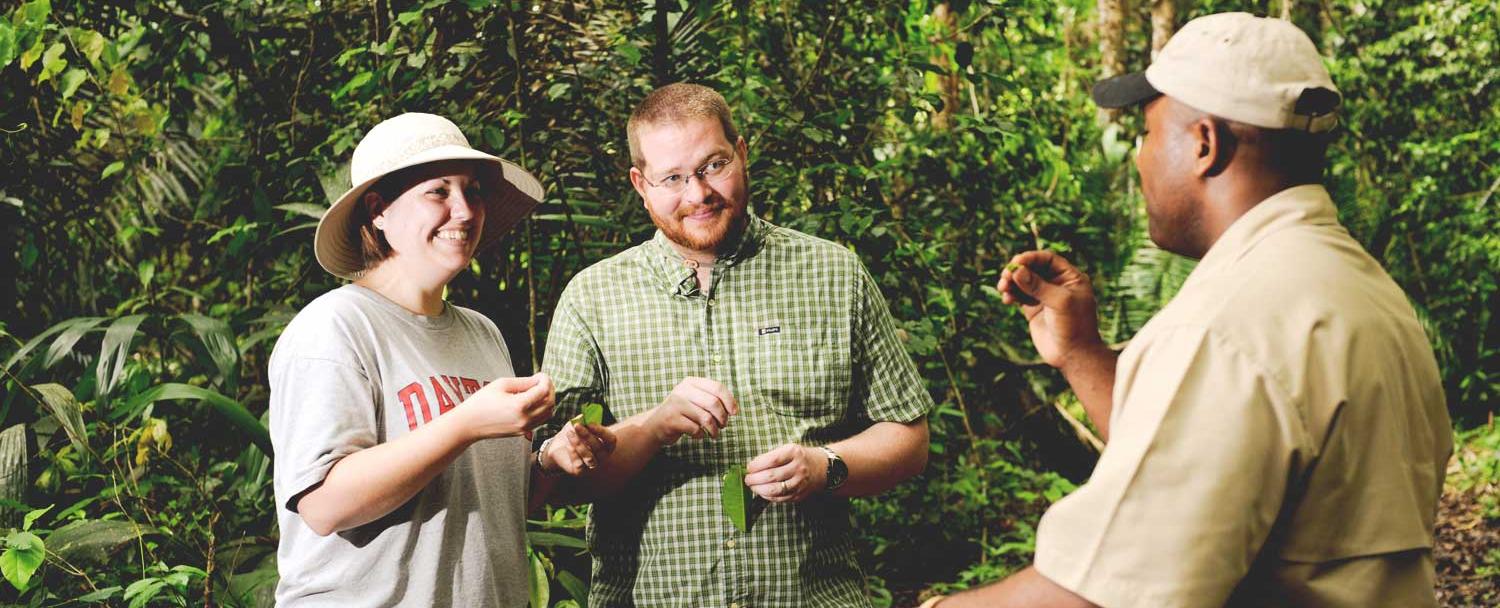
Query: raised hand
(507, 407)
(697, 407)
(1058, 301)
(790, 473)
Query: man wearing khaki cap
(1277, 433)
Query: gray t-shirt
(354, 370)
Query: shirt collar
(1299, 205)
(679, 276)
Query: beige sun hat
(1256, 70)
(405, 141)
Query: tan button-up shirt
(1279, 435)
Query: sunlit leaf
(68, 412)
(232, 411)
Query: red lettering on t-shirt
(455, 386)
(405, 395)
(445, 402)
(471, 385)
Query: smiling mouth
(456, 235)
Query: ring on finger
(784, 488)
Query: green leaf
(34, 14)
(33, 515)
(63, 345)
(540, 589)
(217, 341)
(575, 587)
(356, 82)
(32, 54)
(231, 410)
(37, 341)
(23, 555)
(143, 591)
(408, 17)
(112, 169)
(71, 80)
(100, 595)
(592, 413)
(7, 44)
(13, 466)
(553, 539)
(68, 412)
(311, 210)
(113, 353)
(736, 496)
(52, 62)
(91, 44)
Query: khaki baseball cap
(1256, 70)
(409, 140)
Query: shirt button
(729, 543)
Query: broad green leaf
(63, 345)
(553, 539)
(52, 62)
(33, 515)
(231, 410)
(359, 80)
(540, 587)
(112, 169)
(14, 480)
(100, 595)
(218, 342)
(256, 588)
(7, 43)
(143, 591)
(37, 341)
(23, 554)
(592, 413)
(70, 81)
(32, 54)
(308, 209)
(91, 44)
(68, 412)
(34, 14)
(575, 587)
(408, 17)
(92, 540)
(114, 352)
(736, 497)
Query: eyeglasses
(714, 171)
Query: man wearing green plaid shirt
(726, 341)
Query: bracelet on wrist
(540, 450)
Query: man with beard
(767, 348)
(1277, 432)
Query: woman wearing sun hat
(401, 434)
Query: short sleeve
(572, 361)
(886, 386)
(321, 411)
(1202, 448)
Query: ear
(1213, 147)
(372, 201)
(638, 180)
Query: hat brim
(338, 249)
(1124, 91)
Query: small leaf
(553, 539)
(112, 169)
(33, 515)
(91, 44)
(52, 62)
(23, 555)
(70, 81)
(32, 54)
(540, 589)
(7, 43)
(311, 210)
(736, 497)
(592, 413)
(143, 591)
(100, 595)
(575, 587)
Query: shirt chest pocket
(803, 374)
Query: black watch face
(837, 473)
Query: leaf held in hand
(737, 497)
(593, 413)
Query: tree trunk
(1163, 23)
(1111, 48)
(661, 59)
(949, 79)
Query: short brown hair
(373, 248)
(675, 103)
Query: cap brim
(1124, 91)
(336, 253)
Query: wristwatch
(838, 472)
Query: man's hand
(1058, 302)
(790, 473)
(507, 407)
(577, 448)
(698, 407)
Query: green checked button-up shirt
(797, 330)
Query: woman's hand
(507, 407)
